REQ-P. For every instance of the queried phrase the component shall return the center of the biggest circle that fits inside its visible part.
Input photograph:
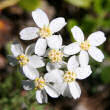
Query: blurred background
(91, 16)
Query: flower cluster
(64, 64)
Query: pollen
(45, 32)
(85, 45)
(55, 56)
(23, 60)
(69, 76)
(39, 83)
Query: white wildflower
(42, 89)
(55, 53)
(27, 61)
(45, 30)
(65, 82)
(89, 45)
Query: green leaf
(98, 6)
(29, 5)
(106, 24)
(80, 3)
(88, 24)
(105, 74)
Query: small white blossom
(89, 45)
(55, 53)
(45, 31)
(42, 89)
(65, 81)
(27, 61)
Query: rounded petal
(36, 61)
(16, 49)
(96, 38)
(77, 34)
(55, 41)
(30, 49)
(40, 18)
(40, 47)
(30, 72)
(83, 58)
(29, 33)
(28, 84)
(75, 89)
(72, 48)
(41, 96)
(65, 91)
(52, 66)
(83, 72)
(96, 54)
(57, 24)
(51, 91)
(54, 76)
(72, 63)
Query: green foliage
(80, 3)
(105, 74)
(29, 5)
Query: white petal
(55, 41)
(96, 54)
(29, 33)
(96, 38)
(72, 48)
(57, 24)
(52, 66)
(83, 58)
(58, 87)
(16, 49)
(28, 84)
(30, 49)
(51, 91)
(40, 18)
(40, 47)
(30, 72)
(65, 90)
(83, 72)
(75, 89)
(77, 34)
(72, 63)
(46, 53)
(54, 76)
(36, 61)
(62, 64)
(41, 96)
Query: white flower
(27, 61)
(45, 30)
(42, 87)
(65, 82)
(55, 53)
(89, 45)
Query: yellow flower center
(69, 76)
(85, 45)
(45, 32)
(39, 83)
(55, 55)
(23, 60)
